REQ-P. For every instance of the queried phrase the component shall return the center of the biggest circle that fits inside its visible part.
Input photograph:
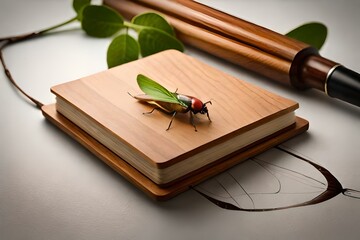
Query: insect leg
(207, 113)
(208, 116)
(151, 111)
(172, 118)
(192, 120)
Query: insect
(170, 102)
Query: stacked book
(99, 113)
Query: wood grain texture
(248, 45)
(146, 185)
(228, 26)
(315, 71)
(237, 105)
(102, 107)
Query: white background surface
(52, 188)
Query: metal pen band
(328, 76)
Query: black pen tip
(344, 84)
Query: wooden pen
(251, 46)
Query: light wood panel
(100, 105)
(146, 185)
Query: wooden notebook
(243, 117)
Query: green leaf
(101, 21)
(122, 49)
(153, 41)
(79, 5)
(153, 20)
(313, 34)
(155, 90)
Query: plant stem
(23, 37)
(12, 80)
(133, 26)
(10, 40)
(58, 25)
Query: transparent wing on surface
(276, 179)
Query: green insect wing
(156, 91)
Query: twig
(11, 79)
(7, 41)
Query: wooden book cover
(242, 115)
(143, 183)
